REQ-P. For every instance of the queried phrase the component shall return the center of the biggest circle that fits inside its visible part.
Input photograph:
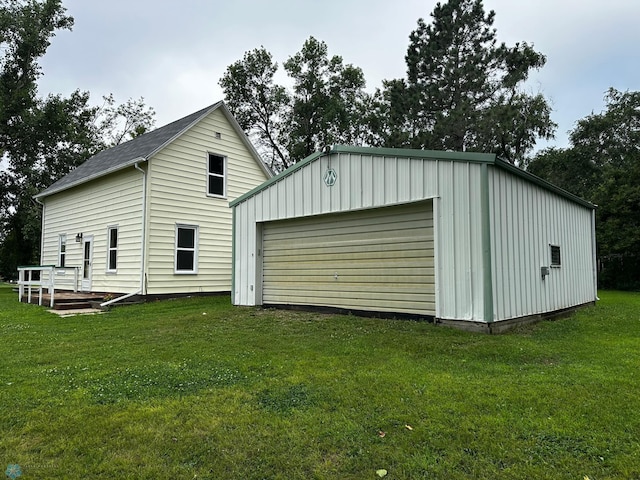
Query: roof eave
(505, 165)
(398, 152)
(245, 139)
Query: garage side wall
(371, 181)
(526, 221)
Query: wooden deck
(65, 300)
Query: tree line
(463, 90)
(43, 138)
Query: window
(216, 175)
(62, 249)
(555, 256)
(112, 249)
(186, 249)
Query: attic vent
(218, 135)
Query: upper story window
(62, 249)
(186, 249)
(217, 175)
(112, 249)
(555, 256)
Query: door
(376, 260)
(87, 262)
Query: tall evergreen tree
(463, 90)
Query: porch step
(71, 305)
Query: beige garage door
(373, 260)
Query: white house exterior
(151, 216)
(460, 237)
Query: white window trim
(195, 250)
(224, 176)
(62, 240)
(110, 248)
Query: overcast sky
(174, 53)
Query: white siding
(369, 181)
(526, 219)
(89, 209)
(178, 195)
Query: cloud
(174, 53)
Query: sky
(173, 53)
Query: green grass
(196, 388)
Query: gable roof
(141, 149)
(472, 157)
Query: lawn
(196, 388)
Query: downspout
(233, 256)
(41, 229)
(486, 244)
(142, 242)
(595, 254)
(144, 226)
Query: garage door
(372, 260)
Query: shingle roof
(128, 153)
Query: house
(461, 238)
(151, 216)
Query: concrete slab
(78, 311)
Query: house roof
(141, 149)
(473, 157)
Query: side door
(87, 262)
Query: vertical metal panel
(379, 181)
(460, 258)
(367, 185)
(526, 221)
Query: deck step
(71, 305)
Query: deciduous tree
(327, 103)
(602, 165)
(42, 139)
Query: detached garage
(461, 238)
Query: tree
(463, 91)
(258, 104)
(26, 28)
(119, 123)
(327, 103)
(327, 99)
(602, 165)
(42, 139)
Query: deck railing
(45, 277)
